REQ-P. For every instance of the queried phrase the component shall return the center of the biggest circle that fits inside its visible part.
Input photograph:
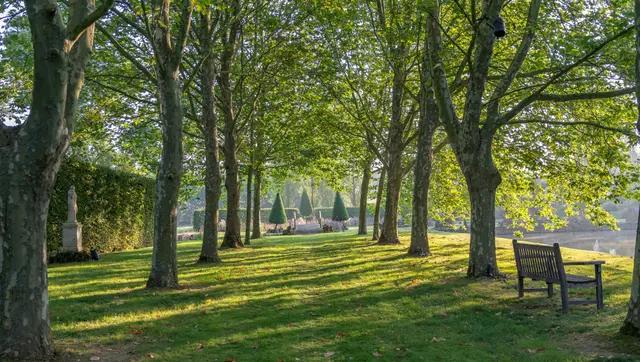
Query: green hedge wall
(198, 215)
(115, 208)
(327, 212)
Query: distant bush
(306, 209)
(277, 215)
(198, 219)
(339, 212)
(115, 208)
(327, 212)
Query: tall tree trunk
(364, 193)
(247, 228)
(256, 232)
(231, 166)
(376, 212)
(164, 266)
(30, 156)
(422, 172)
(209, 124)
(168, 55)
(483, 179)
(631, 325)
(389, 234)
(232, 185)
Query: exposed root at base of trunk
(231, 242)
(419, 252)
(162, 283)
(629, 329)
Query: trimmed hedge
(198, 215)
(339, 212)
(277, 215)
(327, 212)
(115, 208)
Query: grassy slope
(331, 296)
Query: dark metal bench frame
(544, 263)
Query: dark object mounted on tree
(544, 263)
(499, 29)
(95, 255)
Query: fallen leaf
(377, 354)
(137, 331)
(329, 354)
(94, 358)
(536, 350)
(230, 360)
(199, 347)
(151, 355)
(438, 339)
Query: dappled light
(304, 296)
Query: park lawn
(328, 297)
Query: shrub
(306, 209)
(277, 215)
(115, 208)
(339, 211)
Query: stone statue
(72, 204)
(72, 229)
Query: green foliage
(306, 209)
(115, 208)
(339, 211)
(277, 215)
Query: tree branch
(506, 117)
(74, 32)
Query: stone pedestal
(72, 236)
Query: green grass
(327, 297)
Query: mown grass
(331, 296)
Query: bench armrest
(586, 262)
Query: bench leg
(599, 292)
(564, 293)
(550, 289)
(520, 287)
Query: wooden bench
(544, 263)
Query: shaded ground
(327, 297)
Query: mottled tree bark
(470, 142)
(376, 211)
(422, 172)
(389, 233)
(209, 126)
(231, 165)
(256, 232)
(364, 193)
(30, 156)
(168, 55)
(482, 183)
(631, 325)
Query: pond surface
(614, 242)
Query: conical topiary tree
(306, 209)
(277, 215)
(339, 211)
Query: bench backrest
(539, 262)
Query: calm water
(618, 242)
